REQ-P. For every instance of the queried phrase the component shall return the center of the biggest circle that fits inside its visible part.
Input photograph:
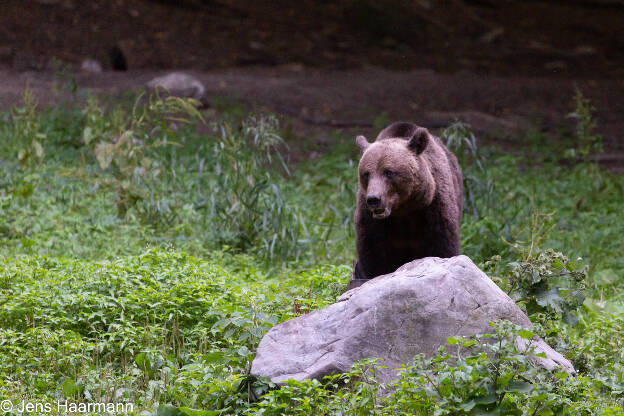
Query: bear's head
(394, 175)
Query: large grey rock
(179, 84)
(393, 317)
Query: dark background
(553, 38)
(508, 68)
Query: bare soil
(546, 38)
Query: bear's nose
(373, 201)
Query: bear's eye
(389, 174)
(365, 176)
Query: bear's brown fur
(409, 200)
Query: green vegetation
(142, 262)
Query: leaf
(550, 298)
(503, 380)
(143, 362)
(518, 386)
(193, 412)
(121, 392)
(213, 357)
(481, 410)
(243, 351)
(258, 331)
(39, 152)
(526, 334)
(487, 399)
(70, 389)
(467, 406)
(87, 135)
(569, 318)
(168, 410)
(104, 153)
(452, 341)
(558, 264)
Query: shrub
(26, 131)
(245, 199)
(489, 374)
(587, 140)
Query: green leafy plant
(483, 202)
(486, 374)
(125, 144)
(354, 393)
(478, 185)
(27, 132)
(548, 285)
(587, 140)
(463, 143)
(65, 79)
(246, 197)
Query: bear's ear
(418, 142)
(362, 143)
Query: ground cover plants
(142, 262)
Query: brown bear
(409, 200)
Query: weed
(64, 77)
(26, 132)
(463, 143)
(245, 198)
(489, 374)
(125, 143)
(548, 284)
(587, 140)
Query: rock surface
(180, 85)
(394, 317)
(91, 65)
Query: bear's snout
(377, 207)
(373, 201)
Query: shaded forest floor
(577, 38)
